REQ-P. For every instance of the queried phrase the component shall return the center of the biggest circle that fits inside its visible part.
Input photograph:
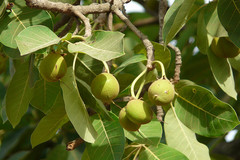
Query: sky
(135, 7)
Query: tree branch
(73, 144)
(178, 63)
(162, 12)
(148, 45)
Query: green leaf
(87, 68)
(151, 133)
(45, 94)
(178, 135)
(3, 6)
(203, 113)
(226, 80)
(102, 45)
(48, 125)
(110, 142)
(18, 94)
(34, 38)
(58, 152)
(19, 155)
(214, 26)
(20, 18)
(90, 101)
(134, 59)
(75, 108)
(176, 17)
(235, 62)
(203, 39)
(229, 15)
(161, 152)
(162, 54)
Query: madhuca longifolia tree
(84, 80)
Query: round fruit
(224, 48)
(139, 111)
(126, 123)
(53, 67)
(105, 87)
(161, 92)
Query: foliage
(38, 117)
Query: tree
(52, 50)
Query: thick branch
(73, 144)
(148, 45)
(162, 11)
(178, 63)
(68, 8)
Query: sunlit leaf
(202, 112)
(226, 80)
(48, 125)
(133, 59)
(20, 18)
(178, 135)
(176, 17)
(34, 38)
(150, 133)
(161, 152)
(76, 109)
(109, 144)
(235, 62)
(102, 45)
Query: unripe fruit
(105, 87)
(224, 48)
(161, 92)
(53, 67)
(126, 123)
(139, 111)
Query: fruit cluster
(137, 112)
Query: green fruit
(126, 123)
(53, 67)
(161, 92)
(105, 87)
(224, 48)
(139, 111)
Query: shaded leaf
(102, 45)
(91, 101)
(151, 133)
(109, 144)
(48, 125)
(134, 59)
(202, 112)
(226, 80)
(18, 94)
(23, 16)
(34, 38)
(178, 135)
(75, 108)
(161, 152)
(58, 152)
(229, 15)
(3, 6)
(45, 94)
(162, 54)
